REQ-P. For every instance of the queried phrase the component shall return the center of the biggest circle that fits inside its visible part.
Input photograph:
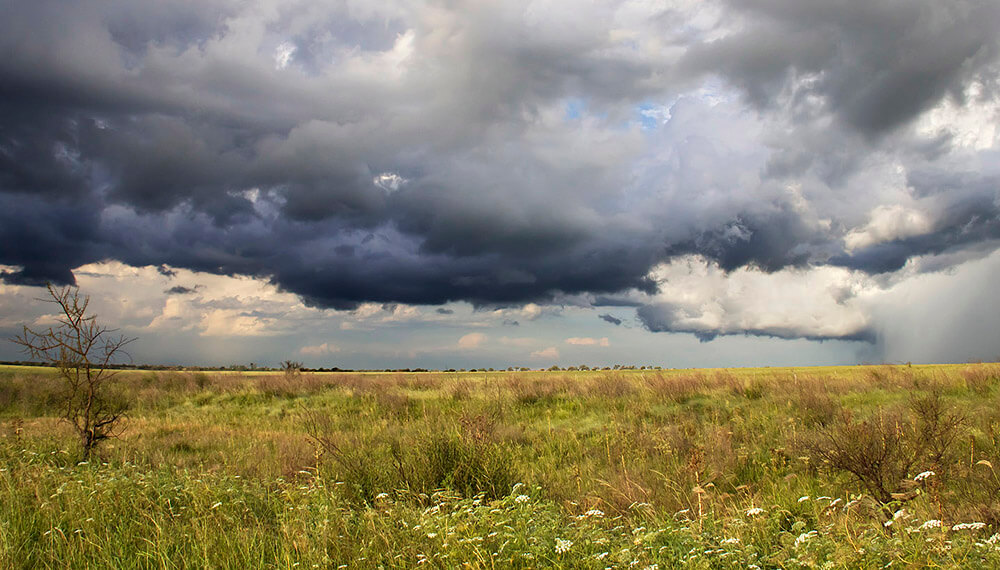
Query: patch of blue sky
(575, 108)
(653, 115)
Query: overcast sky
(491, 183)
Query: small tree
(81, 350)
(291, 368)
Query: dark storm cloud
(477, 151)
(611, 319)
(877, 64)
(769, 240)
(181, 290)
(165, 271)
(966, 207)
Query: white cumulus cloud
(550, 352)
(472, 340)
(319, 349)
(587, 341)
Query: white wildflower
(969, 526)
(563, 546)
(994, 539)
(381, 496)
(805, 537)
(933, 523)
(594, 513)
(522, 499)
(733, 540)
(924, 475)
(754, 511)
(432, 535)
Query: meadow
(840, 467)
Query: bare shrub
(82, 351)
(937, 429)
(875, 451)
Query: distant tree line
(252, 367)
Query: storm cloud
(502, 153)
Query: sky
(507, 183)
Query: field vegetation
(859, 467)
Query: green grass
(496, 469)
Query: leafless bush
(882, 451)
(82, 351)
(875, 451)
(937, 429)
(291, 368)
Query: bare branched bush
(883, 451)
(82, 351)
(291, 369)
(875, 451)
(937, 430)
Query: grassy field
(870, 467)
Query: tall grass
(719, 468)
